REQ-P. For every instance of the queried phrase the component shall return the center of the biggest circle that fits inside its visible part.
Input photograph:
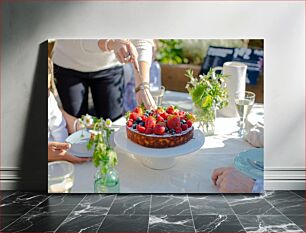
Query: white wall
(281, 24)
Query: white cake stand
(158, 158)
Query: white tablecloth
(191, 173)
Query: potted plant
(177, 55)
(208, 93)
(104, 157)
(173, 63)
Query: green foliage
(208, 90)
(190, 51)
(127, 115)
(103, 153)
(171, 52)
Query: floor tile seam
(261, 199)
(298, 194)
(270, 215)
(25, 213)
(149, 213)
(224, 203)
(107, 213)
(8, 196)
(235, 214)
(194, 228)
(283, 215)
(69, 214)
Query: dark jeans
(106, 87)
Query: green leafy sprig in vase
(104, 157)
(208, 93)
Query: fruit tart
(160, 128)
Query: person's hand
(229, 180)
(144, 96)
(124, 50)
(58, 151)
(70, 122)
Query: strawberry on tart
(160, 128)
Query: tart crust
(159, 141)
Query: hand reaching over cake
(160, 128)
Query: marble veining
(130, 204)
(287, 202)
(279, 211)
(81, 223)
(5, 194)
(126, 223)
(300, 193)
(34, 223)
(166, 223)
(20, 203)
(217, 223)
(94, 205)
(209, 205)
(274, 223)
(250, 205)
(170, 205)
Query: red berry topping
(161, 123)
(133, 116)
(178, 129)
(129, 123)
(149, 131)
(141, 129)
(138, 110)
(189, 123)
(159, 118)
(159, 130)
(182, 117)
(159, 111)
(184, 127)
(173, 122)
(143, 117)
(150, 122)
(170, 110)
(164, 115)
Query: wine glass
(244, 102)
(157, 94)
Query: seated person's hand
(58, 151)
(229, 180)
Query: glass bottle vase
(206, 119)
(106, 180)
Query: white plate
(127, 145)
(79, 144)
(242, 164)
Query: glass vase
(206, 119)
(106, 180)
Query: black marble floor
(280, 211)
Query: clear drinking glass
(157, 94)
(244, 102)
(60, 177)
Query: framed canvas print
(155, 115)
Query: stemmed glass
(158, 94)
(244, 102)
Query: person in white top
(57, 130)
(97, 64)
(59, 123)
